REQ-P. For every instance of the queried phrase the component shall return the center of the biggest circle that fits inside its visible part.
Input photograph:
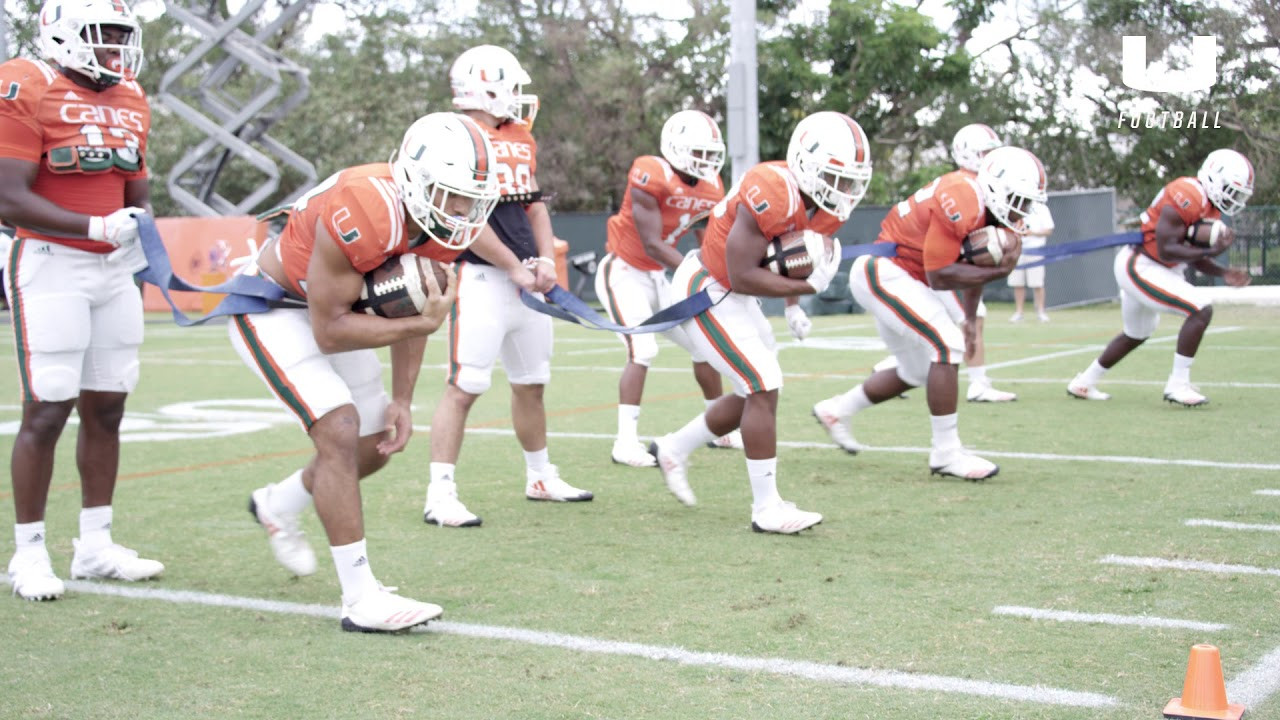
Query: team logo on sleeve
(343, 215)
(10, 91)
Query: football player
(929, 228)
(73, 174)
(514, 252)
(318, 358)
(1151, 275)
(826, 173)
(665, 197)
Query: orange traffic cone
(1204, 696)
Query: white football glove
(130, 257)
(798, 321)
(825, 266)
(118, 229)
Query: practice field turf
(1116, 536)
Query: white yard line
(1226, 525)
(1255, 685)
(1155, 563)
(1105, 618)
(681, 656)
(1267, 492)
(1094, 349)
(1148, 383)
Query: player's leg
(1138, 320)
(709, 381)
(1035, 281)
(1018, 281)
(1170, 292)
(975, 361)
(629, 297)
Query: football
(986, 246)
(398, 287)
(1205, 233)
(788, 254)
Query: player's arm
(1171, 231)
(406, 362)
(648, 219)
(333, 285)
(945, 272)
(490, 248)
(137, 193)
(744, 250)
(24, 208)
(544, 270)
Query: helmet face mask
(76, 34)
(489, 78)
(830, 158)
(971, 144)
(1227, 178)
(445, 175)
(1013, 183)
(692, 143)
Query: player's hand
(826, 267)
(798, 321)
(1235, 277)
(544, 273)
(399, 428)
(129, 257)
(1226, 236)
(119, 229)
(523, 278)
(440, 300)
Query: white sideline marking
(1163, 564)
(1253, 686)
(1226, 525)
(1161, 383)
(798, 444)
(1094, 349)
(1267, 492)
(580, 643)
(1105, 618)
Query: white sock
(1181, 369)
(354, 574)
(289, 496)
(442, 472)
(708, 402)
(628, 423)
(537, 461)
(852, 402)
(29, 537)
(946, 431)
(977, 374)
(692, 436)
(764, 482)
(95, 527)
(1093, 374)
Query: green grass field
(634, 606)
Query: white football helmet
(831, 159)
(489, 78)
(1012, 182)
(444, 157)
(692, 143)
(71, 33)
(1227, 177)
(971, 143)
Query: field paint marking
(1225, 525)
(1105, 618)
(1253, 686)
(580, 643)
(1163, 564)
(1267, 492)
(1148, 383)
(1094, 349)
(797, 444)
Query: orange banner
(200, 250)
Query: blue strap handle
(245, 293)
(573, 309)
(1065, 251)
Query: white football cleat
(836, 426)
(1184, 394)
(983, 392)
(1078, 388)
(731, 441)
(113, 562)
(549, 486)
(632, 453)
(385, 612)
(32, 578)
(1015, 318)
(962, 464)
(443, 507)
(675, 472)
(1044, 317)
(784, 518)
(288, 543)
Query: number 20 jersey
(88, 144)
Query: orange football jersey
(930, 226)
(88, 144)
(682, 206)
(517, 154)
(769, 192)
(1187, 197)
(360, 208)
